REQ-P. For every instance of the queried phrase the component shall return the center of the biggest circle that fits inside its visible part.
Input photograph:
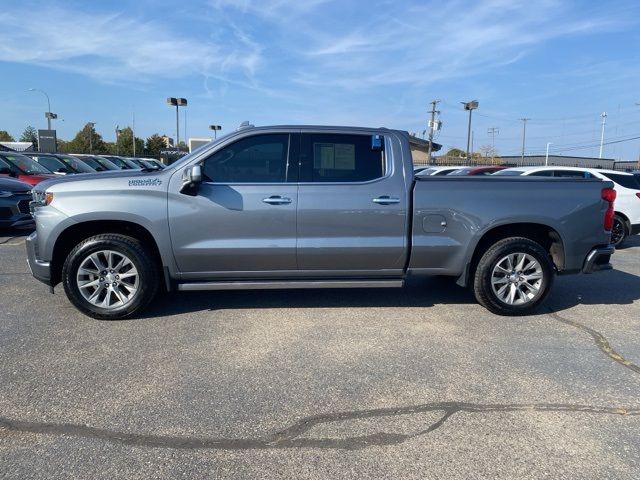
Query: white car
(435, 170)
(626, 185)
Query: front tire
(110, 276)
(619, 232)
(513, 276)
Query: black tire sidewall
(119, 243)
(482, 284)
(625, 231)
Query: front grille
(23, 206)
(5, 212)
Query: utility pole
(432, 125)
(604, 122)
(493, 131)
(524, 136)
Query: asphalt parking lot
(413, 383)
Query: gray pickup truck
(311, 207)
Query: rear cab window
(341, 158)
(626, 181)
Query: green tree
(86, 140)
(5, 137)
(455, 152)
(124, 144)
(155, 143)
(30, 134)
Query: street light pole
(48, 115)
(91, 125)
(604, 121)
(524, 135)
(546, 157)
(471, 106)
(215, 129)
(177, 102)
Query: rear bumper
(598, 259)
(39, 269)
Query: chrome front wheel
(107, 279)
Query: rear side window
(543, 173)
(341, 158)
(627, 181)
(571, 174)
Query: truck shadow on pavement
(417, 293)
(614, 287)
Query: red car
(23, 168)
(476, 170)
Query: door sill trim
(289, 284)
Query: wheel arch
(76, 233)
(548, 237)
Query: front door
(241, 222)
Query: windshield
(122, 163)
(115, 161)
(74, 164)
(25, 164)
(51, 163)
(103, 163)
(509, 173)
(460, 171)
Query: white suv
(626, 185)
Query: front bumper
(598, 259)
(39, 269)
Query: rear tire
(513, 276)
(619, 232)
(110, 276)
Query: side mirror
(191, 176)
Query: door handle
(276, 200)
(386, 200)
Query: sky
(372, 63)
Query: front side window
(342, 158)
(255, 159)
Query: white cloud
(114, 47)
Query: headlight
(41, 198)
(5, 194)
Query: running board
(267, 284)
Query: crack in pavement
(291, 436)
(6, 241)
(600, 340)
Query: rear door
(352, 206)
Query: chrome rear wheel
(517, 279)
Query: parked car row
(20, 172)
(627, 185)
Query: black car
(98, 163)
(121, 162)
(14, 203)
(60, 163)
